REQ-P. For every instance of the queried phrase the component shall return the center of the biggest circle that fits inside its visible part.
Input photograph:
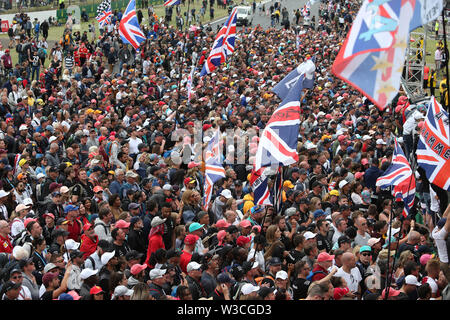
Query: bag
(312, 274)
(101, 224)
(92, 262)
(20, 238)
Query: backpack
(312, 274)
(101, 224)
(92, 262)
(41, 53)
(20, 238)
(108, 148)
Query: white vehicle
(244, 16)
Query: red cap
(364, 161)
(95, 290)
(51, 215)
(359, 175)
(161, 103)
(206, 127)
(245, 223)
(191, 239)
(27, 221)
(97, 189)
(241, 241)
(341, 138)
(392, 293)
(87, 226)
(323, 256)
(340, 292)
(190, 123)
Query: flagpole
(389, 277)
(447, 105)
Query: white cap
(107, 256)
(226, 193)
(281, 275)
(28, 202)
(3, 193)
(23, 127)
(380, 141)
(158, 273)
(39, 176)
(366, 137)
(342, 183)
(309, 235)
(120, 291)
(412, 279)
(72, 244)
(87, 272)
(167, 187)
(193, 266)
(51, 139)
(249, 288)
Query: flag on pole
(259, 184)
(169, 3)
(400, 178)
(129, 29)
(433, 148)
(104, 13)
(372, 57)
(278, 142)
(223, 45)
(213, 168)
(306, 68)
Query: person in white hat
(89, 278)
(158, 281)
(194, 274)
(109, 261)
(121, 293)
(219, 203)
(249, 291)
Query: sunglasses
(366, 254)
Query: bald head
(348, 259)
(414, 237)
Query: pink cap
(27, 221)
(221, 235)
(241, 240)
(364, 161)
(424, 258)
(122, 224)
(358, 175)
(341, 138)
(137, 268)
(222, 224)
(245, 223)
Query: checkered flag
(104, 13)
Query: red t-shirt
(74, 230)
(185, 258)
(5, 245)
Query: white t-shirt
(433, 285)
(133, 144)
(353, 278)
(439, 237)
(17, 227)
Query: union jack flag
(129, 29)
(372, 57)
(278, 142)
(223, 45)
(400, 178)
(306, 9)
(169, 3)
(104, 13)
(259, 183)
(213, 168)
(433, 148)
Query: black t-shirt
(297, 255)
(300, 287)
(48, 295)
(122, 250)
(216, 295)
(323, 243)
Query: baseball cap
(225, 278)
(70, 208)
(133, 255)
(249, 288)
(288, 184)
(222, 224)
(72, 244)
(107, 256)
(49, 266)
(193, 266)
(157, 220)
(309, 235)
(11, 286)
(365, 249)
(65, 296)
(344, 239)
(245, 223)
(265, 291)
(275, 261)
(87, 272)
(137, 268)
(281, 275)
(412, 280)
(121, 291)
(342, 183)
(323, 256)
(191, 239)
(372, 241)
(48, 277)
(392, 293)
(334, 193)
(96, 290)
(318, 213)
(122, 224)
(226, 193)
(241, 241)
(195, 226)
